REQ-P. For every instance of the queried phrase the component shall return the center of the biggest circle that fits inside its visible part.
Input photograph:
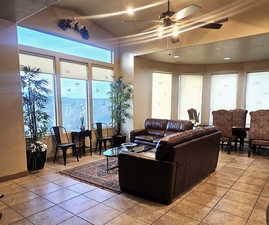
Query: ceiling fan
(169, 17)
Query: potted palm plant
(120, 96)
(35, 96)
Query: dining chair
(223, 121)
(57, 133)
(100, 138)
(259, 130)
(239, 125)
(193, 115)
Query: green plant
(120, 96)
(35, 97)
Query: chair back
(239, 118)
(99, 130)
(223, 121)
(57, 133)
(193, 115)
(259, 125)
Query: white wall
(12, 145)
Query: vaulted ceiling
(252, 48)
(116, 25)
(17, 10)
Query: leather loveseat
(179, 162)
(155, 129)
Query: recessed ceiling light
(227, 58)
(176, 56)
(130, 11)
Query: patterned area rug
(95, 173)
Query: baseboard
(14, 176)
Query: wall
(142, 80)
(12, 149)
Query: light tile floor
(236, 194)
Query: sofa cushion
(156, 124)
(165, 144)
(177, 126)
(148, 138)
(181, 137)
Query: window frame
(171, 93)
(111, 50)
(180, 92)
(57, 58)
(104, 67)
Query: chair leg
(249, 150)
(100, 146)
(96, 145)
(55, 155)
(229, 146)
(64, 155)
(91, 144)
(235, 145)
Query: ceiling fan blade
(188, 11)
(217, 25)
(212, 26)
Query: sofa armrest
(146, 176)
(136, 132)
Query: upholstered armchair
(223, 121)
(259, 130)
(239, 124)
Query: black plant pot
(36, 160)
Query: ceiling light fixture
(160, 31)
(176, 56)
(175, 31)
(227, 58)
(130, 11)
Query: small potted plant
(120, 96)
(35, 96)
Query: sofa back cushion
(174, 126)
(166, 144)
(155, 126)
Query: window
(161, 95)
(102, 78)
(190, 94)
(46, 66)
(257, 94)
(74, 95)
(51, 42)
(223, 92)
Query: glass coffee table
(114, 152)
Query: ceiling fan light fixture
(160, 31)
(176, 56)
(227, 58)
(175, 32)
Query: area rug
(95, 173)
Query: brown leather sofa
(180, 161)
(155, 129)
